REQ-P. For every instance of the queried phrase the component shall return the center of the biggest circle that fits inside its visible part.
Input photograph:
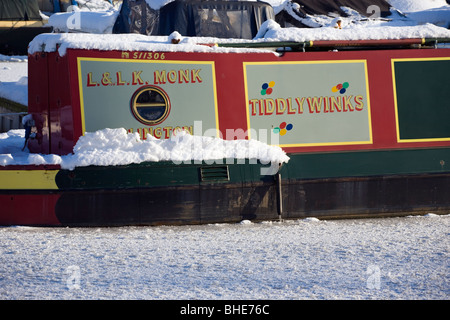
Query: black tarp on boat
(136, 16)
(218, 18)
(295, 13)
(325, 7)
(222, 19)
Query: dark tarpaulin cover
(325, 7)
(215, 18)
(313, 7)
(19, 10)
(136, 17)
(222, 19)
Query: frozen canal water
(392, 258)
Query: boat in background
(20, 22)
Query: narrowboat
(364, 125)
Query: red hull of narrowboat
(366, 130)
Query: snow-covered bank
(110, 147)
(5, 58)
(397, 258)
(14, 78)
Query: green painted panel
(132, 176)
(109, 89)
(308, 103)
(423, 98)
(300, 166)
(367, 163)
(160, 174)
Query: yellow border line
(313, 144)
(80, 81)
(28, 179)
(216, 108)
(394, 87)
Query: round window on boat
(150, 105)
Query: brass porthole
(150, 105)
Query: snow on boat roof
(270, 32)
(50, 42)
(273, 32)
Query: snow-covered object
(14, 78)
(272, 31)
(417, 5)
(85, 21)
(110, 147)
